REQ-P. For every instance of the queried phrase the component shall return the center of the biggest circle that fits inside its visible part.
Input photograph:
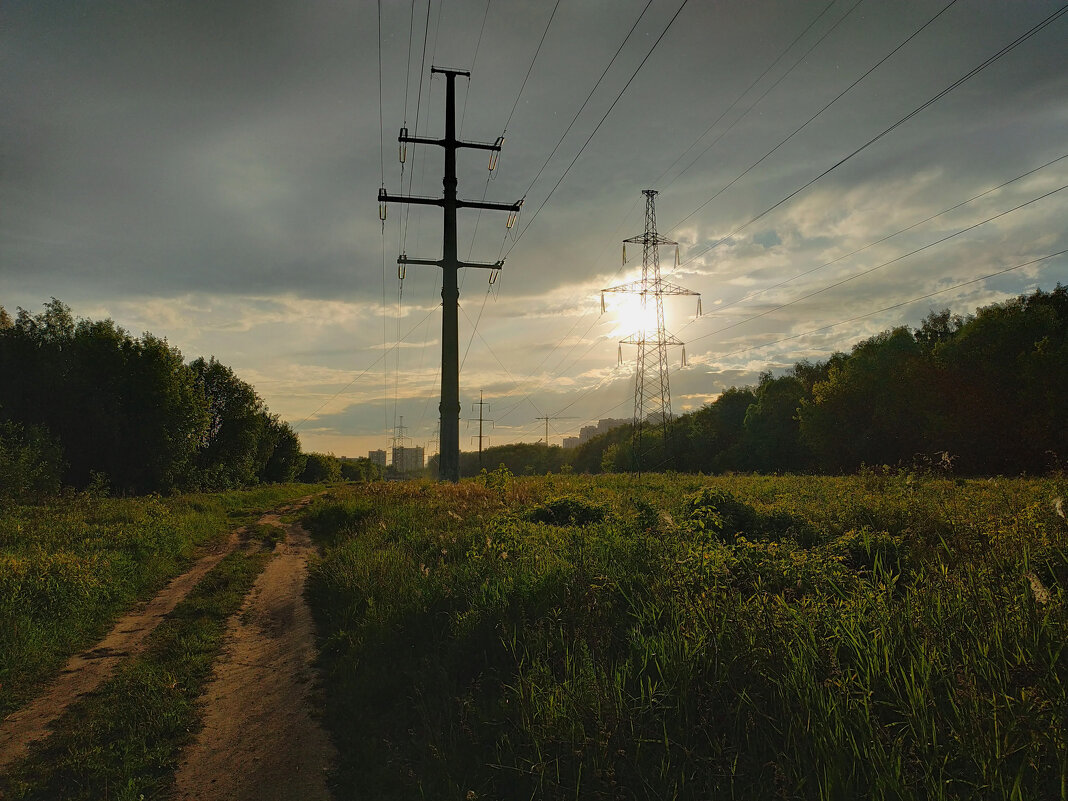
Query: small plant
(567, 510)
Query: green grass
(882, 636)
(70, 567)
(123, 740)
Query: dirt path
(84, 672)
(259, 739)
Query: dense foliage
(881, 636)
(981, 395)
(97, 405)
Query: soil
(87, 670)
(260, 739)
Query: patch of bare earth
(84, 672)
(260, 740)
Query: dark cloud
(179, 165)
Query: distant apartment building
(378, 458)
(586, 433)
(408, 460)
(572, 442)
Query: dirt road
(84, 672)
(260, 739)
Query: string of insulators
(698, 305)
(382, 204)
(403, 149)
(495, 154)
(602, 303)
(624, 253)
(493, 276)
(676, 255)
(683, 355)
(401, 270)
(514, 215)
(620, 353)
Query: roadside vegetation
(70, 565)
(123, 740)
(889, 635)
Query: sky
(208, 171)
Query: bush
(31, 462)
(321, 468)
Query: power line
(927, 219)
(364, 372)
(599, 124)
(766, 92)
(590, 95)
(474, 60)
(898, 305)
(746, 91)
(879, 266)
(803, 125)
(531, 67)
(970, 74)
(549, 158)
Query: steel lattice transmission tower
(652, 392)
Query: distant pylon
(652, 393)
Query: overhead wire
(879, 241)
(363, 372)
(593, 133)
(556, 147)
(919, 109)
(883, 264)
(531, 67)
(927, 296)
(746, 91)
(805, 124)
(474, 60)
(589, 96)
(679, 158)
(898, 305)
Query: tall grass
(687, 637)
(70, 566)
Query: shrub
(31, 462)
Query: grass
(123, 740)
(881, 636)
(71, 566)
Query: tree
(230, 454)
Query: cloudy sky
(208, 171)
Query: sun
(630, 317)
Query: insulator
(403, 149)
(401, 270)
(602, 303)
(620, 353)
(493, 276)
(624, 253)
(513, 216)
(698, 305)
(494, 154)
(382, 212)
(683, 355)
(676, 255)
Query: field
(880, 636)
(69, 567)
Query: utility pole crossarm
(385, 197)
(651, 239)
(449, 263)
(482, 204)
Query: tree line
(981, 394)
(85, 403)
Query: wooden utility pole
(449, 407)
